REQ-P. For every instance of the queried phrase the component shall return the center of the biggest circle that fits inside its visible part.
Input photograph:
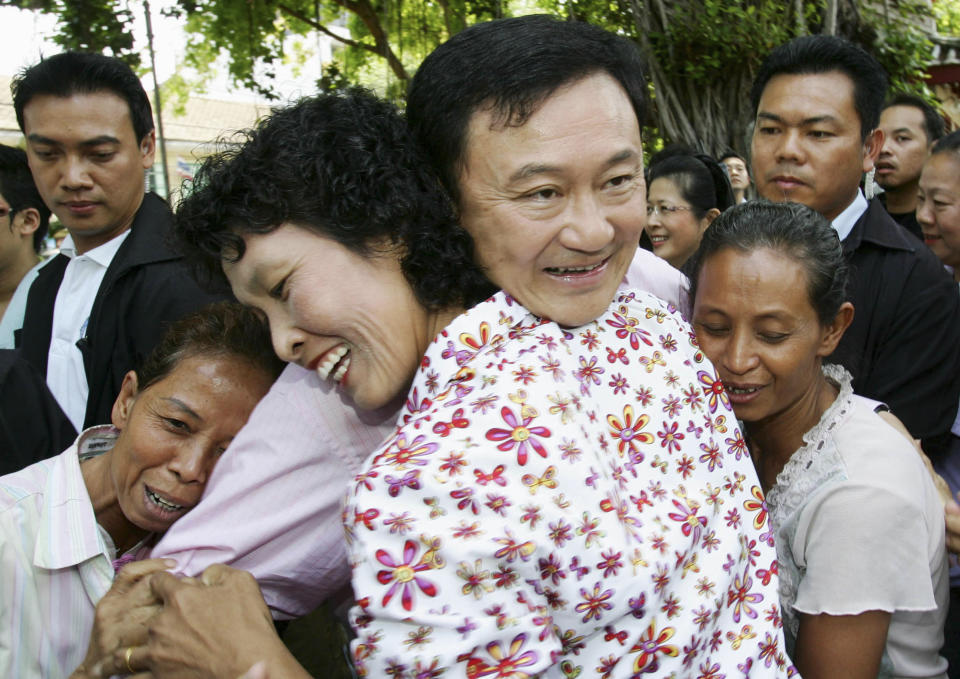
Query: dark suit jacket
(145, 287)
(32, 425)
(903, 347)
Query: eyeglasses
(665, 210)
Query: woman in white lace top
(857, 522)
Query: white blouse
(859, 527)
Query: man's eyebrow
(95, 141)
(812, 120)
(902, 130)
(180, 405)
(533, 169)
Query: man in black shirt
(910, 125)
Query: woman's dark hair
(700, 179)
(511, 67)
(345, 166)
(788, 228)
(222, 329)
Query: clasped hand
(154, 624)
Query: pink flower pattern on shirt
(560, 516)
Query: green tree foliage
(396, 34)
(947, 13)
(89, 25)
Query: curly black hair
(344, 165)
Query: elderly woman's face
(353, 319)
(754, 321)
(173, 432)
(938, 206)
(556, 205)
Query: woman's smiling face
(672, 226)
(352, 318)
(938, 206)
(754, 321)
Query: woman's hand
(120, 621)
(214, 627)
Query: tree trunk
(712, 119)
(830, 18)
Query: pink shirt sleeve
(272, 505)
(651, 274)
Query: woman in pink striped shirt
(68, 523)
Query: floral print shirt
(564, 503)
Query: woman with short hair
(69, 522)
(858, 524)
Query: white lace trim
(806, 470)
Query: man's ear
(148, 148)
(26, 222)
(871, 149)
(124, 403)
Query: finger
(135, 631)
(258, 671)
(135, 571)
(124, 661)
(217, 574)
(164, 585)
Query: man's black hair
(18, 189)
(933, 124)
(816, 54)
(510, 66)
(70, 73)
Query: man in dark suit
(817, 101)
(96, 310)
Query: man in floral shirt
(565, 499)
(579, 503)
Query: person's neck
(738, 195)
(85, 244)
(106, 504)
(902, 199)
(12, 273)
(774, 441)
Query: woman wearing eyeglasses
(686, 191)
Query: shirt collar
(845, 221)
(68, 533)
(102, 254)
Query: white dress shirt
(846, 220)
(71, 313)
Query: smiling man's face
(556, 205)
(807, 146)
